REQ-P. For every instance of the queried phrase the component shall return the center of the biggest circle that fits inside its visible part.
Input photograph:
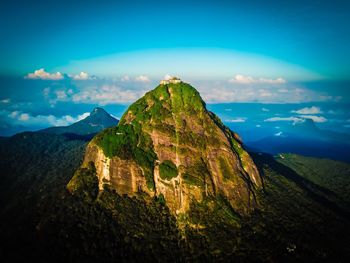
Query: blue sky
(51, 34)
(231, 51)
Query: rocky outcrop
(168, 143)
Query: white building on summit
(172, 80)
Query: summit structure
(172, 80)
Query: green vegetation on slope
(162, 110)
(128, 141)
(35, 167)
(226, 171)
(324, 173)
(110, 228)
(84, 183)
(297, 223)
(167, 170)
(185, 98)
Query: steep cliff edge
(169, 145)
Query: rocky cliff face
(169, 145)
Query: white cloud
(106, 94)
(167, 77)
(61, 94)
(44, 120)
(81, 76)
(319, 119)
(236, 120)
(23, 117)
(142, 78)
(308, 110)
(298, 119)
(82, 116)
(221, 92)
(125, 78)
(241, 79)
(273, 81)
(265, 110)
(54, 95)
(42, 74)
(5, 101)
(293, 119)
(258, 125)
(13, 114)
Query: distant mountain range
(304, 138)
(98, 120)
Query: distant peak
(98, 110)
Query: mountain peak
(98, 110)
(168, 145)
(307, 125)
(98, 120)
(167, 100)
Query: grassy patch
(167, 170)
(225, 169)
(128, 141)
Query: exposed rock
(168, 143)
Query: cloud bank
(142, 78)
(81, 76)
(27, 119)
(125, 89)
(42, 74)
(310, 110)
(297, 119)
(241, 79)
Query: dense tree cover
(84, 183)
(34, 169)
(303, 213)
(330, 174)
(294, 223)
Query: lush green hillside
(295, 223)
(329, 174)
(47, 215)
